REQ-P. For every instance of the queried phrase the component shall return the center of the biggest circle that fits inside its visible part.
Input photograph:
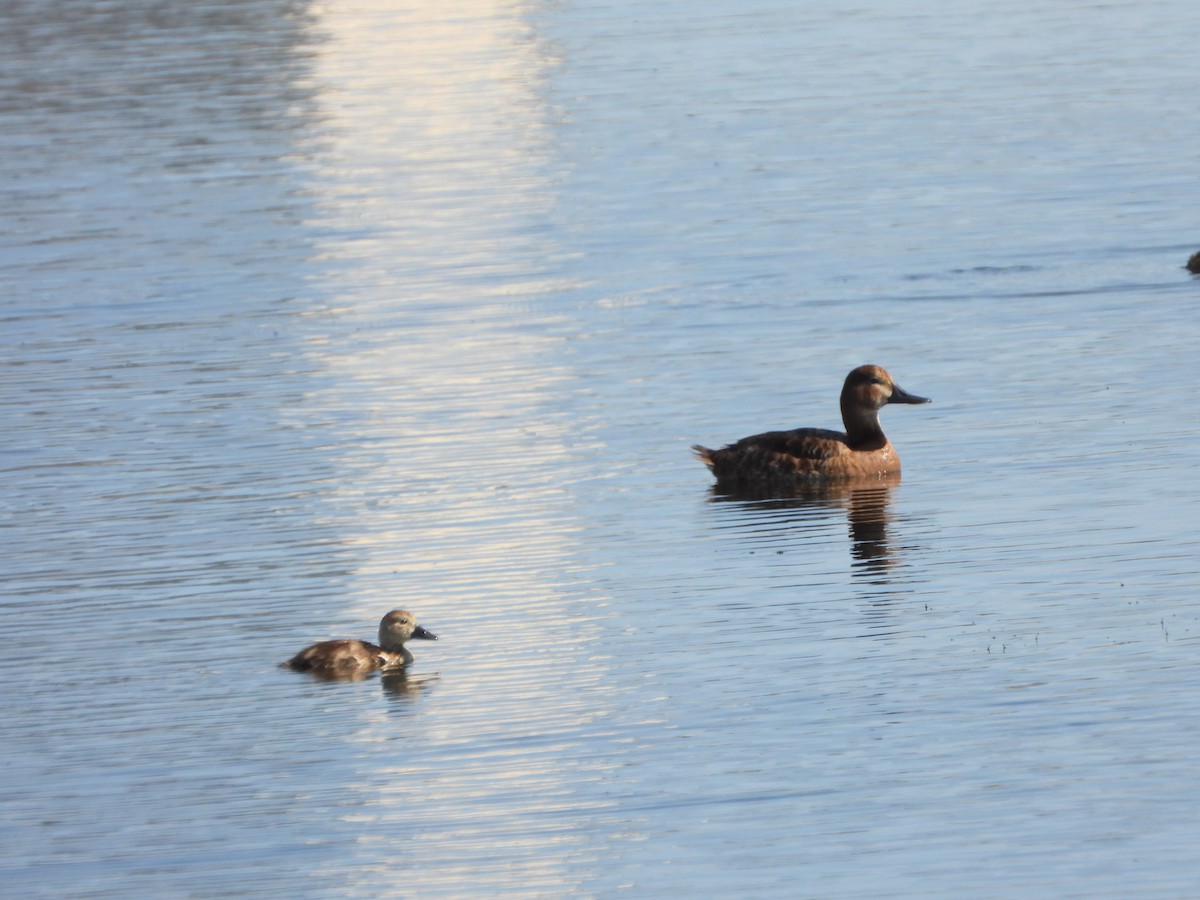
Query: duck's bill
(424, 634)
(899, 395)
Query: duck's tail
(703, 454)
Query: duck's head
(399, 626)
(872, 388)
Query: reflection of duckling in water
(814, 455)
(398, 684)
(354, 659)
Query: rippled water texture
(310, 311)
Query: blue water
(313, 311)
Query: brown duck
(350, 658)
(817, 455)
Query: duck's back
(344, 657)
(799, 453)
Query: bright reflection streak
(437, 197)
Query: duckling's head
(872, 388)
(399, 626)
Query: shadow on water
(866, 505)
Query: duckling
(813, 455)
(350, 658)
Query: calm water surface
(311, 310)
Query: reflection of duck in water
(354, 659)
(868, 516)
(403, 686)
(866, 505)
(815, 455)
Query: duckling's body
(808, 455)
(348, 658)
